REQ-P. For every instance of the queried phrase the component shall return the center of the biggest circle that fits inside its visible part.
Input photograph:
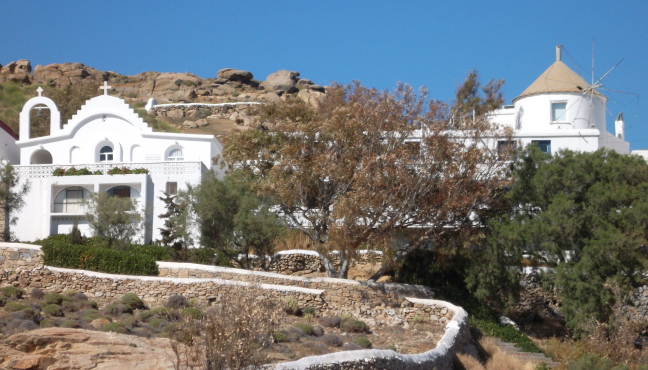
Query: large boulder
(232, 74)
(282, 80)
(19, 71)
(63, 348)
(61, 75)
(313, 98)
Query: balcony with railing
(153, 168)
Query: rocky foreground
(63, 348)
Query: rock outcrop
(231, 74)
(282, 80)
(19, 71)
(62, 75)
(63, 348)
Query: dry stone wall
(154, 291)
(304, 262)
(377, 303)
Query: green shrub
(157, 323)
(290, 306)
(176, 301)
(419, 320)
(115, 327)
(13, 307)
(309, 311)
(12, 292)
(47, 323)
(58, 252)
(280, 336)
(90, 314)
(126, 171)
(307, 329)
(117, 309)
(55, 298)
(192, 312)
(351, 325)
(132, 300)
(145, 315)
(52, 310)
(69, 306)
(363, 342)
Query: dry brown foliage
(497, 359)
(232, 335)
(358, 171)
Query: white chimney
(558, 53)
(619, 127)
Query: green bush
(58, 252)
(307, 329)
(47, 323)
(363, 342)
(309, 311)
(132, 300)
(115, 327)
(280, 336)
(352, 325)
(290, 306)
(12, 292)
(55, 298)
(13, 307)
(90, 314)
(192, 312)
(52, 310)
(145, 315)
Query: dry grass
(497, 359)
(614, 340)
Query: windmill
(593, 89)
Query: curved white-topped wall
(533, 112)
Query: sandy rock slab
(62, 348)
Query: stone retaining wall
(20, 256)
(154, 291)
(457, 333)
(383, 302)
(376, 303)
(189, 110)
(304, 262)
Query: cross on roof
(105, 87)
(40, 91)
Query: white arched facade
(142, 162)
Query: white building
(559, 110)
(105, 133)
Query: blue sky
(427, 43)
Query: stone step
(511, 350)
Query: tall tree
(469, 100)
(371, 168)
(113, 218)
(12, 195)
(232, 219)
(178, 225)
(585, 215)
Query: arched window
(71, 200)
(176, 155)
(106, 154)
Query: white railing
(154, 168)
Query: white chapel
(105, 133)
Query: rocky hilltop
(229, 85)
